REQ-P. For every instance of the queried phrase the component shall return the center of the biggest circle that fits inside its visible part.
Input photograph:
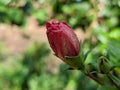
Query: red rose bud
(62, 39)
(64, 43)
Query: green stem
(90, 75)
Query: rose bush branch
(67, 47)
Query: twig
(94, 78)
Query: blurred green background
(26, 61)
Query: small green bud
(104, 65)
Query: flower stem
(90, 75)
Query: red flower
(62, 39)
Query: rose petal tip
(48, 24)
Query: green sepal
(86, 54)
(74, 62)
(77, 62)
(81, 53)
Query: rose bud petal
(62, 39)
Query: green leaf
(115, 33)
(86, 54)
(114, 47)
(106, 88)
(114, 79)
